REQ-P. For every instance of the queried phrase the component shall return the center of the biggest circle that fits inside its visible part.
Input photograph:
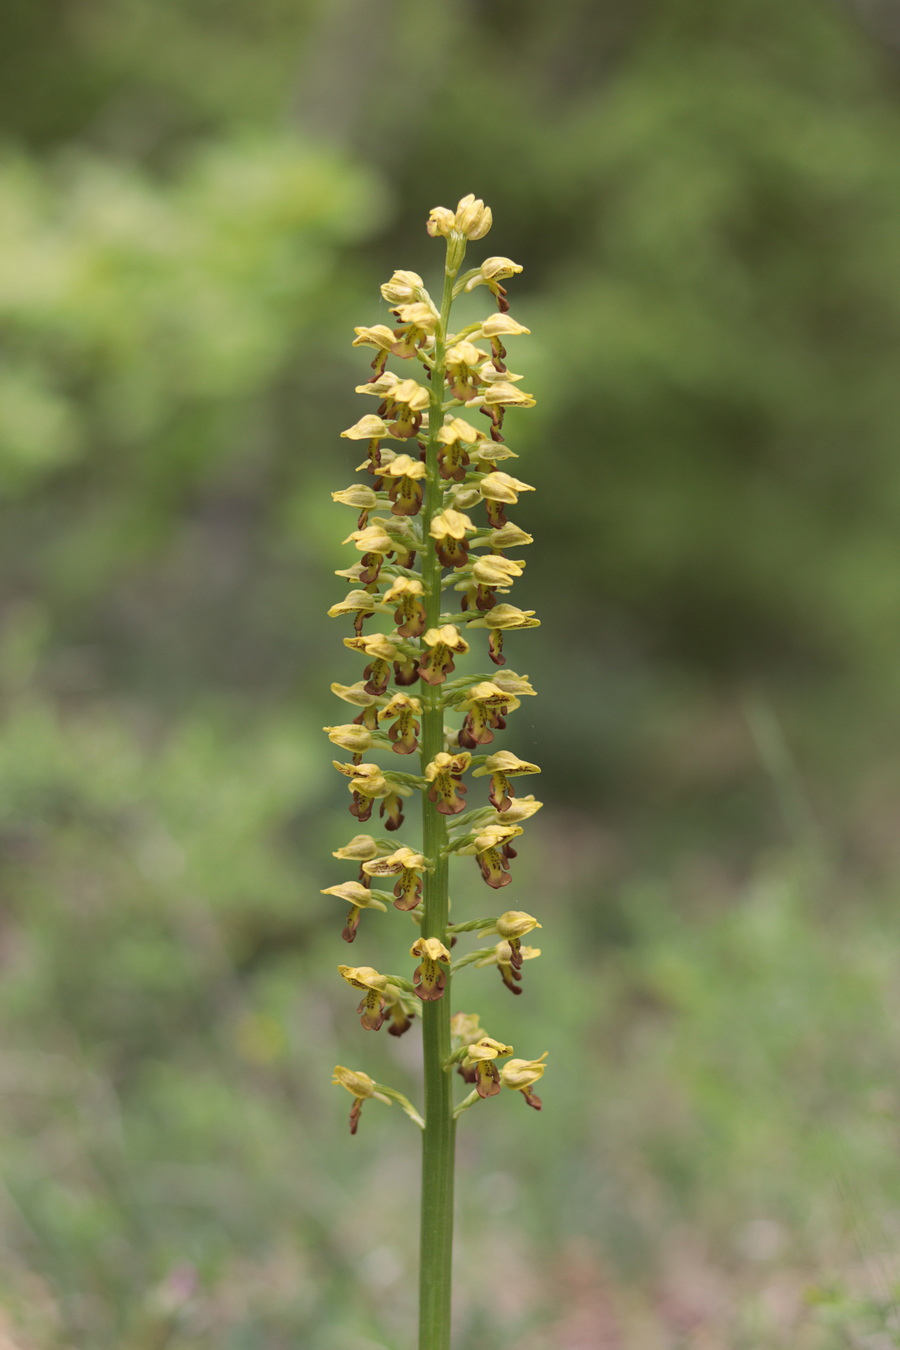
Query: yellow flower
(506, 616)
(453, 453)
(357, 1082)
(492, 570)
(458, 430)
(509, 963)
(429, 979)
(493, 850)
(486, 454)
(368, 428)
(360, 848)
(448, 530)
(522, 808)
(515, 923)
(354, 601)
(440, 222)
(486, 706)
(509, 954)
(465, 1028)
(491, 273)
(381, 999)
(497, 326)
(350, 736)
(367, 782)
(355, 894)
(361, 603)
(358, 897)
(488, 374)
(361, 1087)
(487, 1048)
(512, 683)
(364, 977)
(406, 593)
(358, 495)
(481, 1057)
(444, 773)
(404, 466)
(406, 489)
(373, 644)
(473, 218)
(462, 362)
(509, 536)
(502, 487)
(403, 288)
(498, 488)
(367, 779)
(499, 619)
(441, 644)
(401, 587)
(359, 696)
(494, 269)
(379, 336)
(506, 395)
(383, 536)
(405, 730)
(418, 322)
(521, 1075)
(401, 860)
(494, 399)
(407, 866)
(373, 539)
(406, 403)
(503, 766)
(381, 387)
(382, 651)
(420, 315)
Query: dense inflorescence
(437, 557)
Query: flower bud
(366, 429)
(515, 923)
(440, 222)
(473, 218)
(404, 287)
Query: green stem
(438, 1145)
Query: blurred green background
(198, 200)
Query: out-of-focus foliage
(197, 202)
(147, 326)
(707, 201)
(142, 315)
(717, 1145)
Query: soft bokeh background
(198, 199)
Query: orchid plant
(435, 539)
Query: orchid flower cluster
(436, 560)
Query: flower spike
(435, 569)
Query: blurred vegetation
(197, 202)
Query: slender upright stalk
(439, 1140)
(428, 483)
